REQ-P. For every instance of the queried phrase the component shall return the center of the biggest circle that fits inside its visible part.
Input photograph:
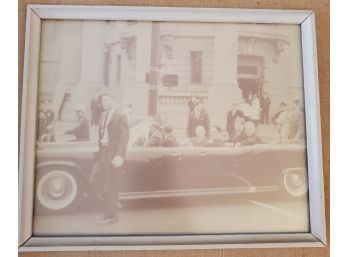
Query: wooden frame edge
(27, 136)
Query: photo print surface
(170, 128)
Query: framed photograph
(170, 128)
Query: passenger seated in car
(155, 137)
(139, 142)
(216, 137)
(250, 137)
(81, 129)
(238, 132)
(200, 139)
(169, 138)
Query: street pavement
(259, 213)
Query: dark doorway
(250, 75)
(249, 86)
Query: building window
(118, 70)
(196, 67)
(106, 68)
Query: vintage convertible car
(63, 170)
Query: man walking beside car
(113, 140)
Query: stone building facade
(219, 63)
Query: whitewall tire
(56, 190)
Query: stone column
(92, 63)
(224, 89)
(70, 55)
(138, 91)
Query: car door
(151, 170)
(215, 168)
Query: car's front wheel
(295, 182)
(57, 190)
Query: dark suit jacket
(96, 110)
(197, 143)
(237, 137)
(81, 130)
(45, 120)
(297, 126)
(155, 139)
(118, 135)
(265, 103)
(169, 141)
(250, 140)
(217, 143)
(193, 122)
(231, 116)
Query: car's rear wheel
(57, 190)
(295, 182)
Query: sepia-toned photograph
(167, 128)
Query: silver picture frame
(305, 18)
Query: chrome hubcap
(56, 189)
(295, 182)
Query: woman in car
(200, 139)
(250, 137)
(155, 137)
(238, 134)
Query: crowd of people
(241, 123)
(241, 129)
(290, 121)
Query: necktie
(104, 123)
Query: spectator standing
(96, 109)
(246, 109)
(231, 117)
(282, 121)
(255, 110)
(297, 127)
(249, 99)
(198, 117)
(192, 102)
(46, 118)
(265, 103)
